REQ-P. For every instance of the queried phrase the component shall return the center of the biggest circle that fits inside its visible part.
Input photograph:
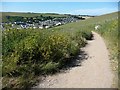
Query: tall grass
(27, 53)
(109, 31)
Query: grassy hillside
(13, 16)
(109, 31)
(31, 14)
(28, 53)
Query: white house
(47, 27)
(40, 27)
(59, 23)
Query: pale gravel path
(95, 72)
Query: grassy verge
(109, 31)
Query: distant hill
(6, 15)
(28, 14)
(91, 21)
(101, 18)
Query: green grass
(109, 31)
(28, 53)
(38, 52)
(31, 14)
(28, 15)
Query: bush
(38, 52)
(50, 67)
(87, 34)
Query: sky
(75, 8)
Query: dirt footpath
(93, 72)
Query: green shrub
(38, 52)
(50, 67)
(86, 34)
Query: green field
(31, 14)
(29, 53)
(28, 15)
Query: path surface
(93, 72)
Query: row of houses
(40, 24)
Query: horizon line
(56, 13)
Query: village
(30, 24)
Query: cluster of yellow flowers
(55, 44)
